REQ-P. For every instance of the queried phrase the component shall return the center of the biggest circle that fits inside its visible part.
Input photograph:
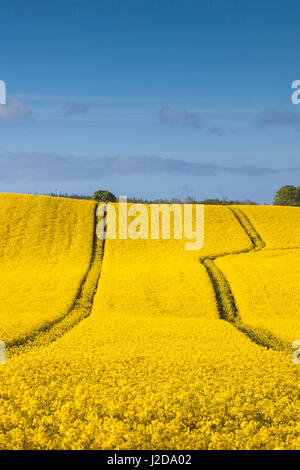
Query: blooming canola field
(270, 298)
(45, 252)
(162, 360)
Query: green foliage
(287, 196)
(104, 196)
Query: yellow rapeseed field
(279, 227)
(154, 366)
(119, 382)
(45, 252)
(266, 289)
(160, 277)
(265, 283)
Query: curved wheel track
(80, 309)
(225, 300)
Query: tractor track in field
(227, 306)
(81, 307)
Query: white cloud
(14, 111)
(58, 168)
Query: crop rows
(154, 366)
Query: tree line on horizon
(286, 196)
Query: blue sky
(150, 98)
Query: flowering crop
(153, 366)
(45, 252)
(265, 286)
(265, 283)
(146, 382)
(279, 227)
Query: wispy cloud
(57, 168)
(216, 130)
(181, 118)
(205, 113)
(73, 108)
(14, 111)
(272, 117)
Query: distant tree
(175, 200)
(225, 201)
(189, 200)
(287, 196)
(213, 202)
(160, 201)
(248, 202)
(70, 196)
(104, 196)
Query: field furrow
(261, 334)
(263, 283)
(278, 226)
(154, 366)
(265, 288)
(46, 250)
(81, 308)
(139, 381)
